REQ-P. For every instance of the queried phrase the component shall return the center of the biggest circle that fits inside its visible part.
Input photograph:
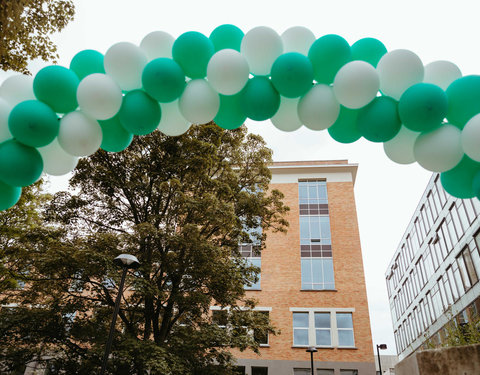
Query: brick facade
(281, 269)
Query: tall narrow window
(323, 335)
(300, 328)
(252, 255)
(315, 238)
(345, 329)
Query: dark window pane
(259, 370)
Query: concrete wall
(460, 360)
(286, 367)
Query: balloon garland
(427, 114)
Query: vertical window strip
(315, 236)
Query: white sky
(386, 193)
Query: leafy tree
(26, 27)
(181, 205)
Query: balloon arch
(425, 114)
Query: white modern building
(433, 276)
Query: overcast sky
(386, 193)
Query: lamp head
(382, 346)
(127, 260)
(312, 349)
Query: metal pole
(114, 320)
(311, 360)
(379, 363)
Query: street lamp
(383, 347)
(126, 261)
(311, 350)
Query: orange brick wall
(281, 279)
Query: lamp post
(126, 261)
(311, 350)
(383, 347)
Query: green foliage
(181, 205)
(457, 334)
(26, 27)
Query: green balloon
(57, 87)
(328, 54)
(345, 130)
(458, 181)
(87, 62)
(9, 195)
(163, 80)
(379, 120)
(259, 100)
(226, 36)
(423, 107)
(463, 100)
(140, 114)
(192, 51)
(33, 123)
(114, 137)
(292, 74)
(230, 114)
(20, 165)
(369, 50)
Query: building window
(466, 268)
(345, 329)
(302, 371)
(259, 370)
(315, 237)
(252, 256)
(300, 329)
(260, 336)
(239, 370)
(325, 371)
(317, 274)
(323, 328)
(348, 372)
(220, 318)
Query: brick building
(312, 282)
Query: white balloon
(172, 122)
(228, 71)
(80, 134)
(124, 62)
(356, 84)
(99, 96)
(440, 149)
(157, 44)
(199, 103)
(398, 70)
(400, 148)
(16, 89)
(57, 162)
(441, 73)
(5, 109)
(471, 138)
(261, 46)
(298, 39)
(286, 118)
(319, 108)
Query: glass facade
(436, 263)
(315, 237)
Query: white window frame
(258, 308)
(333, 326)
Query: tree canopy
(181, 205)
(26, 27)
